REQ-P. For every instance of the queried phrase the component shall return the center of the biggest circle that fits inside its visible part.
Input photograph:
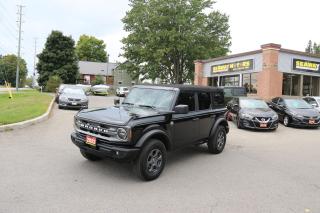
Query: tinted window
(204, 100)
(281, 102)
(218, 99)
(275, 100)
(239, 91)
(227, 92)
(187, 98)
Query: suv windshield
(297, 104)
(153, 98)
(253, 104)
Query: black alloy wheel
(152, 160)
(217, 143)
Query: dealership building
(268, 72)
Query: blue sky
(252, 23)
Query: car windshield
(297, 104)
(253, 104)
(73, 91)
(125, 89)
(147, 97)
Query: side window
(204, 100)
(218, 99)
(187, 98)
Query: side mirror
(116, 101)
(181, 109)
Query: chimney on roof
(271, 46)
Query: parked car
(122, 91)
(314, 101)
(295, 112)
(100, 89)
(151, 121)
(230, 92)
(60, 88)
(74, 98)
(252, 114)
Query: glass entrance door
(307, 86)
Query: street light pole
(19, 47)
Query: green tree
(98, 80)
(89, 48)
(8, 69)
(166, 36)
(53, 83)
(313, 48)
(58, 58)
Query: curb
(23, 124)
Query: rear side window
(218, 99)
(239, 91)
(187, 98)
(204, 100)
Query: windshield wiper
(127, 103)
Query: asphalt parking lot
(42, 171)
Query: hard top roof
(179, 86)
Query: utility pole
(19, 45)
(34, 62)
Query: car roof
(181, 87)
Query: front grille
(96, 128)
(74, 99)
(262, 119)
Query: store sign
(235, 66)
(304, 65)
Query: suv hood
(116, 115)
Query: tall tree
(313, 48)
(89, 48)
(309, 47)
(8, 68)
(58, 58)
(166, 36)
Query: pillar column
(270, 78)
(301, 86)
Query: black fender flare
(157, 134)
(220, 121)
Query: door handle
(195, 119)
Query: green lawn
(23, 106)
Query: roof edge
(229, 56)
(299, 53)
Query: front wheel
(218, 141)
(286, 121)
(151, 161)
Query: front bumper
(254, 124)
(104, 150)
(304, 122)
(73, 105)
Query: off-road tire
(151, 160)
(217, 142)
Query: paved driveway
(42, 171)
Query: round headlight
(122, 133)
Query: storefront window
(249, 81)
(232, 80)
(291, 84)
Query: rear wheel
(89, 156)
(286, 121)
(152, 160)
(218, 141)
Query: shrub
(98, 80)
(53, 83)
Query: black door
(185, 126)
(205, 114)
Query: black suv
(151, 121)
